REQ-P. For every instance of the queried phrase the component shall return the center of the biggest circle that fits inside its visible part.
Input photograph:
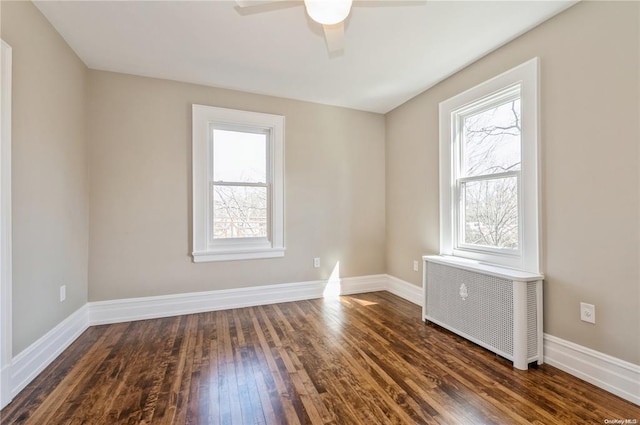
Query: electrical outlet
(588, 313)
(63, 293)
(416, 265)
(316, 262)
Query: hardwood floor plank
(36, 392)
(333, 372)
(168, 403)
(80, 377)
(302, 383)
(193, 412)
(336, 368)
(389, 393)
(208, 386)
(283, 400)
(249, 398)
(363, 359)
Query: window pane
(239, 157)
(491, 212)
(491, 140)
(239, 212)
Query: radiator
(497, 308)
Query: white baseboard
(609, 373)
(125, 310)
(362, 284)
(404, 289)
(5, 375)
(31, 361)
(129, 309)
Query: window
(489, 171)
(239, 187)
(238, 184)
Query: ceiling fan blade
(249, 3)
(334, 36)
(386, 3)
(250, 7)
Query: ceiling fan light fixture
(328, 12)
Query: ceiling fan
(329, 13)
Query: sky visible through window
(239, 156)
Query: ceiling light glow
(328, 12)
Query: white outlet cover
(63, 293)
(415, 265)
(588, 313)
(316, 262)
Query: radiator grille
(485, 313)
(532, 322)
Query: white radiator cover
(497, 308)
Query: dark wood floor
(364, 359)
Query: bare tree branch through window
(491, 146)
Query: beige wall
(49, 174)
(140, 165)
(590, 189)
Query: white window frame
(491, 92)
(6, 273)
(205, 247)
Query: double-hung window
(238, 183)
(489, 171)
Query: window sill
(490, 269)
(238, 254)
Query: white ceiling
(393, 49)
